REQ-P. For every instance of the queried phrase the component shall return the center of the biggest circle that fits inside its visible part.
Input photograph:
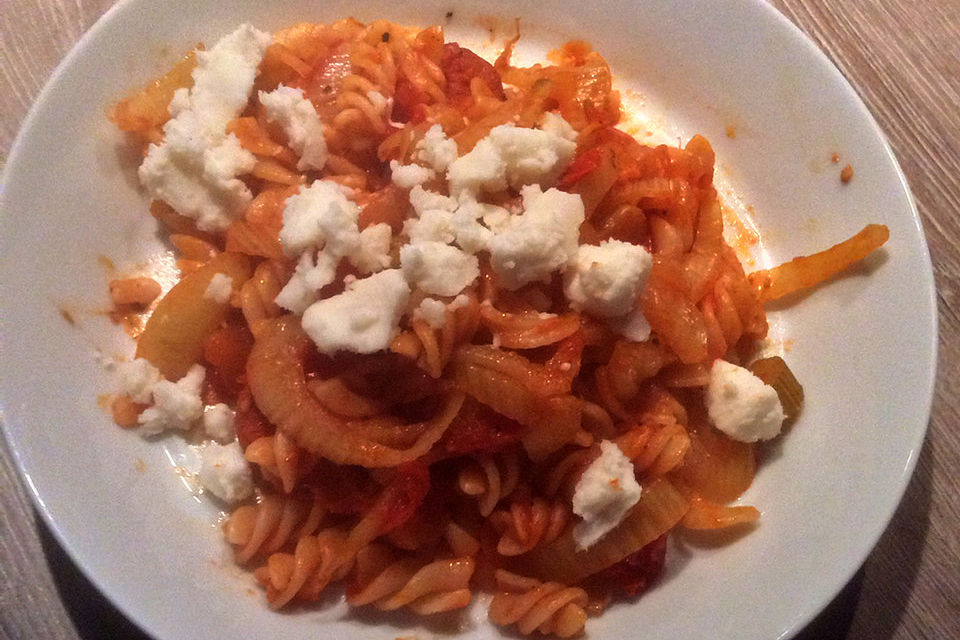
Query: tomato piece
(409, 102)
(226, 350)
(638, 571)
(479, 428)
(583, 165)
(249, 423)
(460, 66)
(402, 496)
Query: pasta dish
(441, 327)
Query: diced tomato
(402, 496)
(583, 165)
(249, 423)
(460, 66)
(479, 428)
(638, 571)
(226, 350)
(409, 102)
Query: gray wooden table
(903, 57)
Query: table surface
(904, 60)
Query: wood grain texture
(904, 60)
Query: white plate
(864, 346)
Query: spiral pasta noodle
(434, 348)
(258, 294)
(546, 607)
(279, 459)
(272, 523)
(389, 583)
(302, 575)
(526, 524)
(490, 479)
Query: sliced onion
(277, 380)
(173, 337)
(660, 508)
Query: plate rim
(815, 605)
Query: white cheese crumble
(373, 250)
(480, 169)
(136, 379)
(379, 101)
(224, 471)
(219, 289)
(542, 240)
(408, 176)
(362, 319)
(311, 274)
(320, 216)
(176, 405)
(320, 224)
(195, 169)
(604, 280)
(287, 107)
(422, 200)
(218, 422)
(532, 156)
(435, 149)
(514, 156)
(633, 326)
(741, 405)
(554, 124)
(432, 311)
(603, 496)
(437, 268)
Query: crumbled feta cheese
(514, 156)
(741, 405)
(224, 471)
(422, 200)
(320, 216)
(218, 422)
(219, 289)
(362, 319)
(633, 326)
(310, 275)
(532, 156)
(541, 240)
(136, 378)
(554, 124)
(471, 235)
(379, 102)
(437, 268)
(603, 496)
(604, 280)
(432, 311)
(442, 219)
(433, 225)
(373, 250)
(480, 169)
(223, 78)
(176, 405)
(195, 169)
(459, 302)
(408, 176)
(435, 149)
(300, 121)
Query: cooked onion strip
(808, 271)
(660, 508)
(278, 382)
